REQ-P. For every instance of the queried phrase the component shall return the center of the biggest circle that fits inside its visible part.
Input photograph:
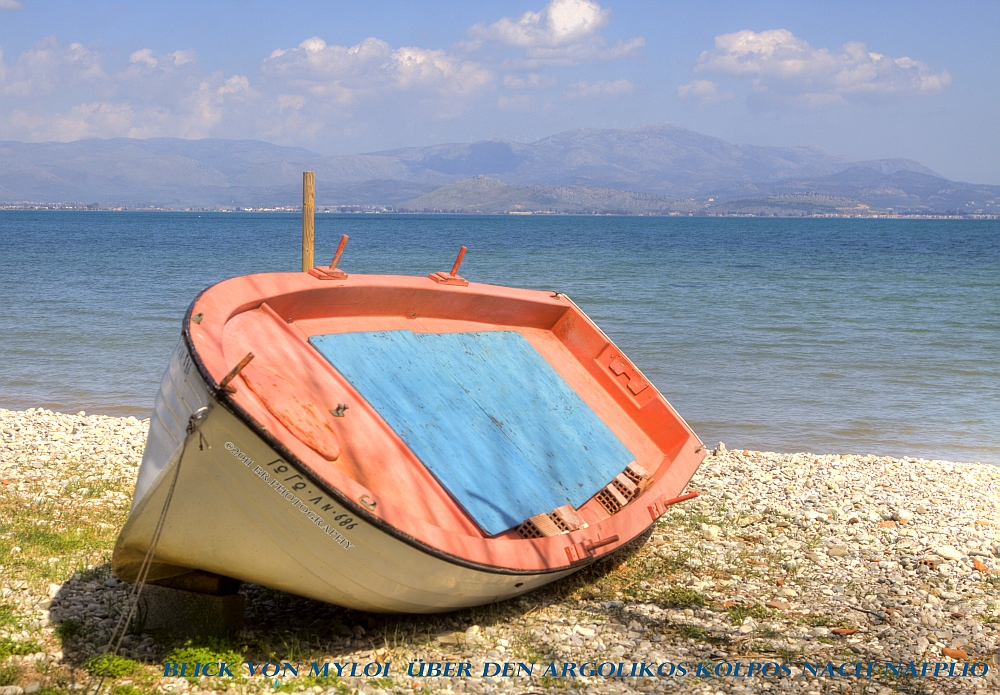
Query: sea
(792, 335)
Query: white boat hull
(233, 512)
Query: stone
(948, 552)
(709, 532)
(451, 639)
(956, 654)
(838, 551)
(778, 605)
(903, 516)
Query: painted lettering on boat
(276, 480)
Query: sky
(867, 80)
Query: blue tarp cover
(487, 415)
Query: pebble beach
(782, 558)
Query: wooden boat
(397, 444)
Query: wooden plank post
(308, 221)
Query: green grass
(51, 690)
(9, 647)
(206, 651)
(814, 620)
(8, 616)
(681, 597)
(325, 682)
(111, 666)
(691, 632)
(51, 543)
(756, 611)
(68, 629)
(81, 536)
(8, 674)
(130, 690)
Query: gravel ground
(784, 558)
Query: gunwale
(311, 306)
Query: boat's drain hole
(519, 585)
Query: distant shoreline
(363, 210)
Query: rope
(133, 600)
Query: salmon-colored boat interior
(293, 394)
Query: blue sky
(868, 80)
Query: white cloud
(144, 56)
(344, 73)
(702, 92)
(93, 120)
(529, 81)
(559, 23)
(49, 67)
(786, 67)
(10, 5)
(583, 90)
(58, 91)
(564, 32)
(65, 91)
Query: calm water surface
(846, 336)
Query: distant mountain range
(655, 170)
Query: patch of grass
(681, 597)
(787, 654)
(756, 611)
(691, 632)
(8, 616)
(206, 651)
(9, 647)
(50, 543)
(814, 620)
(8, 674)
(111, 666)
(326, 682)
(549, 682)
(525, 650)
(68, 629)
(130, 690)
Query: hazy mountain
(484, 194)
(662, 161)
(901, 185)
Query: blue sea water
(832, 335)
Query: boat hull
(232, 515)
